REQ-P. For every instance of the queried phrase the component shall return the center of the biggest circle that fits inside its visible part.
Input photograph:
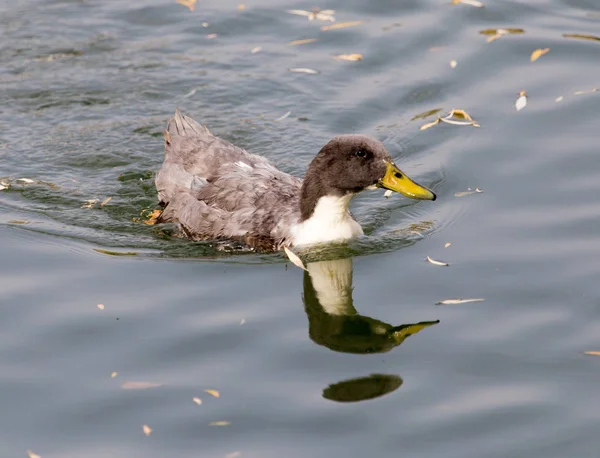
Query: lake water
(306, 365)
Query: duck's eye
(360, 153)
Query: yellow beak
(395, 180)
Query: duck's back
(214, 189)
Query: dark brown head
(349, 164)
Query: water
(304, 367)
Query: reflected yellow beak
(395, 180)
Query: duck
(214, 190)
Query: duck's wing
(191, 150)
(214, 189)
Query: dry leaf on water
(219, 423)
(593, 353)
(147, 430)
(304, 41)
(89, 203)
(535, 55)
(100, 306)
(214, 393)
(430, 124)
(294, 258)
(197, 401)
(341, 25)
(105, 201)
(521, 102)
(350, 57)
(497, 33)
(458, 301)
(466, 119)
(25, 180)
(30, 454)
(139, 385)
(310, 71)
(581, 36)
(467, 193)
(189, 3)
(469, 2)
(437, 263)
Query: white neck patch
(329, 222)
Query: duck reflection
(337, 325)
(334, 322)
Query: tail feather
(183, 126)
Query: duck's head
(349, 164)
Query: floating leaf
(214, 393)
(593, 353)
(304, 41)
(100, 306)
(152, 217)
(18, 221)
(316, 13)
(241, 7)
(140, 385)
(467, 193)
(197, 401)
(147, 430)
(437, 263)
(32, 455)
(219, 423)
(457, 301)
(497, 33)
(281, 118)
(310, 71)
(105, 201)
(447, 244)
(113, 375)
(341, 25)
(453, 63)
(294, 258)
(559, 99)
(521, 102)
(589, 91)
(189, 3)
(350, 57)
(256, 49)
(535, 55)
(581, 36)
(89, 203)
(3, 187)
(430, 124)
(469, 2)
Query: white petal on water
(300, 12)
(256, 49)
(25, 180)
(458, 123)
(197, 401)
(453, 63)
(281, 118)
(2, 187)
(100, 306)
(469, 2)
(458, 301)
(147, 430)
(559, 99)
(310, 71)
(447, 244)
(388, 193)
(437, 263)
(30, 454)
(294, 258)
(521, 101)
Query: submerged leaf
(219, 423)
(294, 258)
(535, 55)
(581, 36)
(341, 25)
(116, 253)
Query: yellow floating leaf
(214, 393)
(535, 55)
(147, 430)
(152, 218)
(501, 31)
(189, 3)
(100, 306)
(581, 36)
(18, 221)
(593, 353)
(32, 455)
(197, 401)
(430, 124)
(304, 41)
(105, 201)
(113, 375)
(460, 114)
(219, 423)
(350, 57)
(294, 258)
(139, 385)
(341, 25)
